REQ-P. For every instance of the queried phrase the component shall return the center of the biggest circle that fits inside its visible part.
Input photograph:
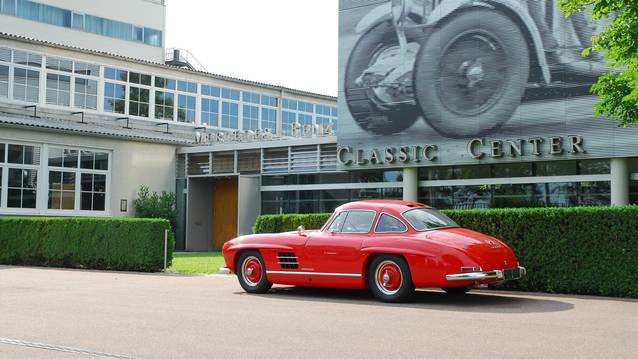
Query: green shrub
(153, 205)
(584, 250)
(97, 243)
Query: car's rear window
(423, 219)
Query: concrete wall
(136, 12)
(199, 235)
(132, 164)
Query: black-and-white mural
(465, 80)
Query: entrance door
(224, 211)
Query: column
(619, 181)
(411, 184)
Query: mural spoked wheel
(470, 74)
(380, 107)
(251, 273)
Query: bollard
(165, 248)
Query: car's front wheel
(251, 273)
(389, 278)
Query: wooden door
(224, 211)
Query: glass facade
(52, 15)
(386, 184)
(75, 84)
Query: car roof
(377, 204)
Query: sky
(291, 43)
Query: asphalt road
(51, 313)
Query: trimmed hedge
(583, 250)
(128, 244)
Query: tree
(153, 205)
(618, 90)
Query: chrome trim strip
(314, 273)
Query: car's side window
(389, 224)
(358, 222)
(337, 223)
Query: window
(77, 175)
(289, 104)
(211, 91)
(54, 63)
(77, 21)
(358, 222)
(22, 175)
(4, 81)
(337, 223)
(82, 68)
(287, 120)
(152, 37)
(269, 119)
(230, 115)
(210, 112)
(115, 74)
(165, 83)
(22, 188)
(230, 94)
(250, 97)
(93, 194)
(305, 119)
(26, 85)
(390, 224)
(305, 107)
(27, 59)
(269, 101)
(85, 93)
(94, 160)
(140, 79)
(138, 101)
(423, 219)
(250, 118)
(138, 33)
(58, 90)
(186, 109)
(9, 7)
(186, 86)
(61, 190)
(114, 97)
(164, 105)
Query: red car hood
(490, 252)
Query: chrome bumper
(506, 274)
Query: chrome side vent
(287, 260)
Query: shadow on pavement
(478, 302)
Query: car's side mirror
(301, 230)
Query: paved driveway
(47, 313)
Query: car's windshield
(423, 219)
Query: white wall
(137, 12)
(132, 164)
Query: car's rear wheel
(251, 272)
(389, 278)
(457, 290)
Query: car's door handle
(329, 253)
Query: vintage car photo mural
(463, 66)
(450, 82)
(388, 247)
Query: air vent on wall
(287, 260)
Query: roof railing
(183, 58)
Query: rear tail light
(470, 269)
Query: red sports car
(390, 247)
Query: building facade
(84, 124)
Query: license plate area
(512, 274)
